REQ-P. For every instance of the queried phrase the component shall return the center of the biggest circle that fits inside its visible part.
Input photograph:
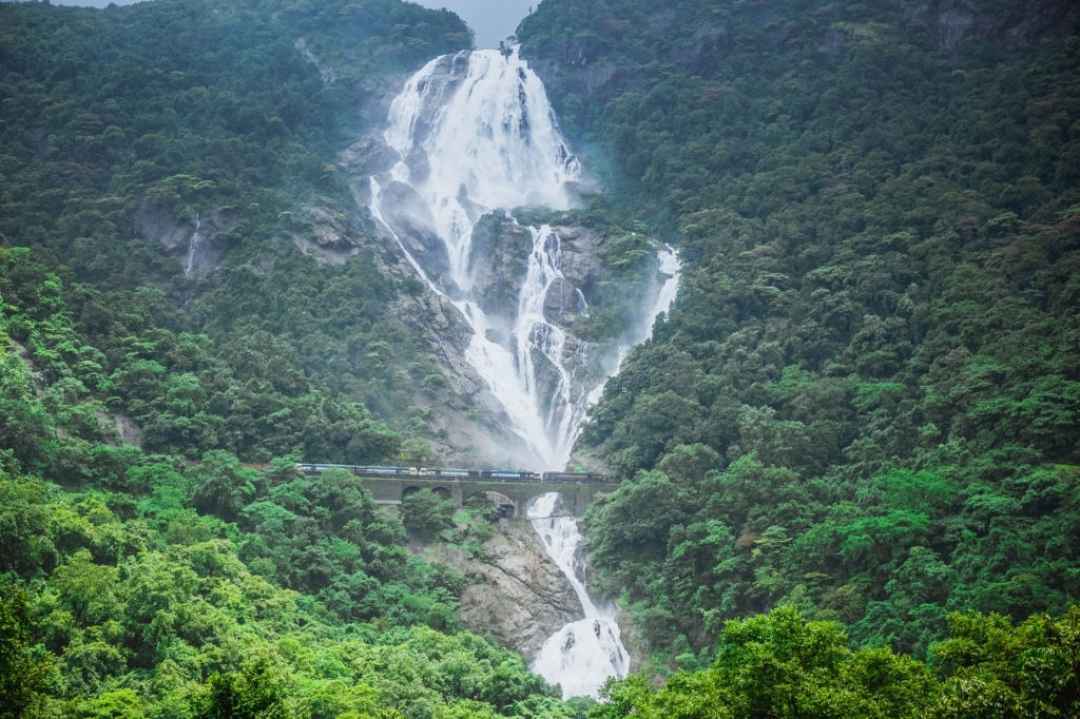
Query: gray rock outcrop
(326, 233)
(498, 261)
(411, 220)
(370, 155)
(517, 596)
(198, 243)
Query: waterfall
(583, 654)
(534, 333)
(475, 134)
(670, 274)
(193, 247)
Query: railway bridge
(511, 490)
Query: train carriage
(456, 473)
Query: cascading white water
(533, 332)
(670, 271)
(490, 140)
(583, 654)
(476, 134)
(193, 247)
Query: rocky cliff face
(199, 243)
(499, 263)
(465, 421)
(516, 596)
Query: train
(452, 473)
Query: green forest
(182, 107)
(849, 458)
(865, 403)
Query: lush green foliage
(184, 392)
(866, 400)
(781, 666)
(426, 513)
(23, 671)
(864, 405)
(186, 108)
(163, 618)
(152, 586)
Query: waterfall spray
(583, 654)
(476, 134)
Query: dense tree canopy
(124, 126)
(779, 665)
(866, 399)
(850, 457)
(139, 584)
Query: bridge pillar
(521, 505)
(581, 501)
(387, 492)
(457, 493)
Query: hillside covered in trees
(123, 129)
(866, 401)
(148, 568)
(137, 584)
(850, 457)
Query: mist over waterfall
(476, 138)
(475, 135)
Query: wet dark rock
(410, 218)
(368, 156)
(498, 262)
(160, 226)
(327, 234)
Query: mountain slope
(865, 401)
(191, 147)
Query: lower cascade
(584, 654)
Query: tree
(118, 704)
(997, 670)
(781, 665)
(255, 692)
(224, 486)
(425, 513)
(24, 670)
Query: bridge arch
(441, 491)
(505, 506)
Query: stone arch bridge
(512, 490)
